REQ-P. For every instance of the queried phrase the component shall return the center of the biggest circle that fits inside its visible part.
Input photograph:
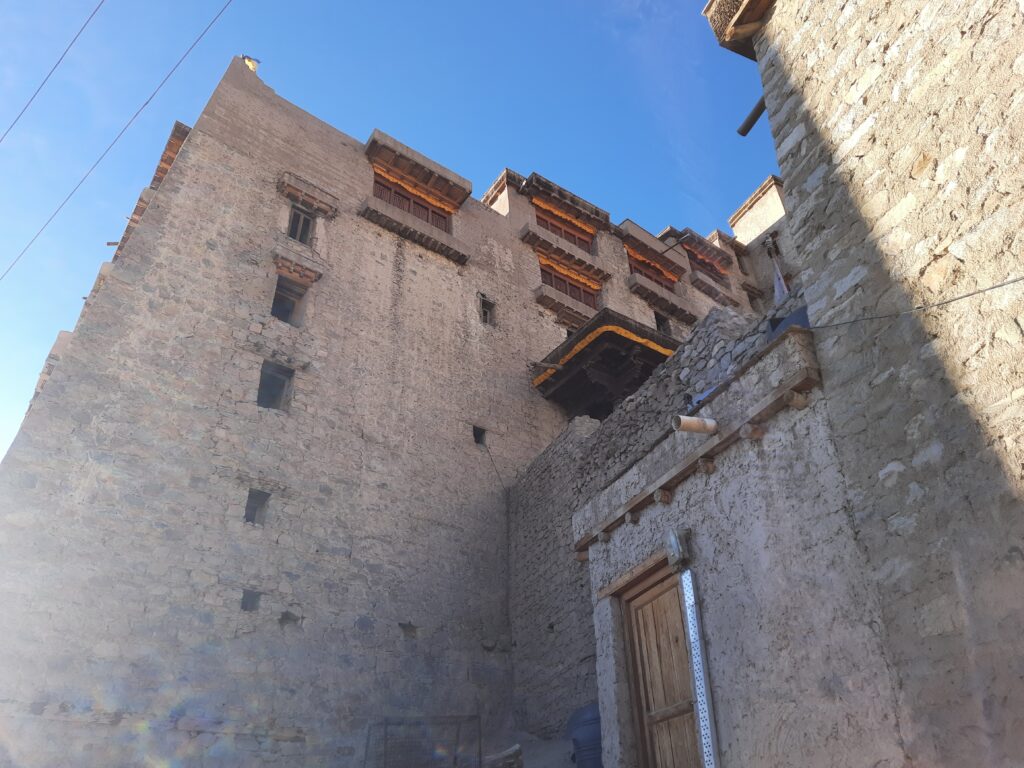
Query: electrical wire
(502, 482)
(52, 70)
(919, 308)
(117, 138)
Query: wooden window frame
(301, 221)
(565, 231)
(400, 197)
(488, 310)
(571, 288)
(637, 267)
(701, 266)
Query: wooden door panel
(661, 674)
(675, 743)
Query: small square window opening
(300, 225)
(487, 307)
(250, 600)
(275, 386)
(256, 506)
(288, 300)
(479, 435)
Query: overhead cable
(52, 70)
(120, 133)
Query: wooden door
(661, 674)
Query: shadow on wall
(899, 170)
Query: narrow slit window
(479, 435)
(275, 386)
(300, 225)
(487, 310)
(250, 600)
(256, 506)
(288, 300)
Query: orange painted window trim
(444, 205)
(540, 203)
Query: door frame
(631, 584)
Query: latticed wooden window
(568, 286)
(706, 269)
(399, 197)
(637, 267)
(565, 230)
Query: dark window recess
(300, 225)
(397, 196)
(275, 386)
(486, 311)
(256, 506)
(479, 435)
(566, 231)
(637, 267)
(250, 600)
(662, 324)
(569, 287)
(287, 298)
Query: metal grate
(425, 742)
(705, 718)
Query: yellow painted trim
(572, 274)
(444, 205)
(585, 342)
(635, 255)
(540, 203)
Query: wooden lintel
(632, 518)
(629, 577)
(297, 272)
(706, 466)
(788, 393)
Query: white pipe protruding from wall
(694, 424)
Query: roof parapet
(767, 185)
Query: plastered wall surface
(795, 668)
(898, 131)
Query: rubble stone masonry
(898, 127)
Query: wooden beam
(788, 393)
(752, 432)
(743, 31)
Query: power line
(921, 307)
(500, 481)
(52, 70)
(117, 138)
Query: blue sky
(629, 103)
